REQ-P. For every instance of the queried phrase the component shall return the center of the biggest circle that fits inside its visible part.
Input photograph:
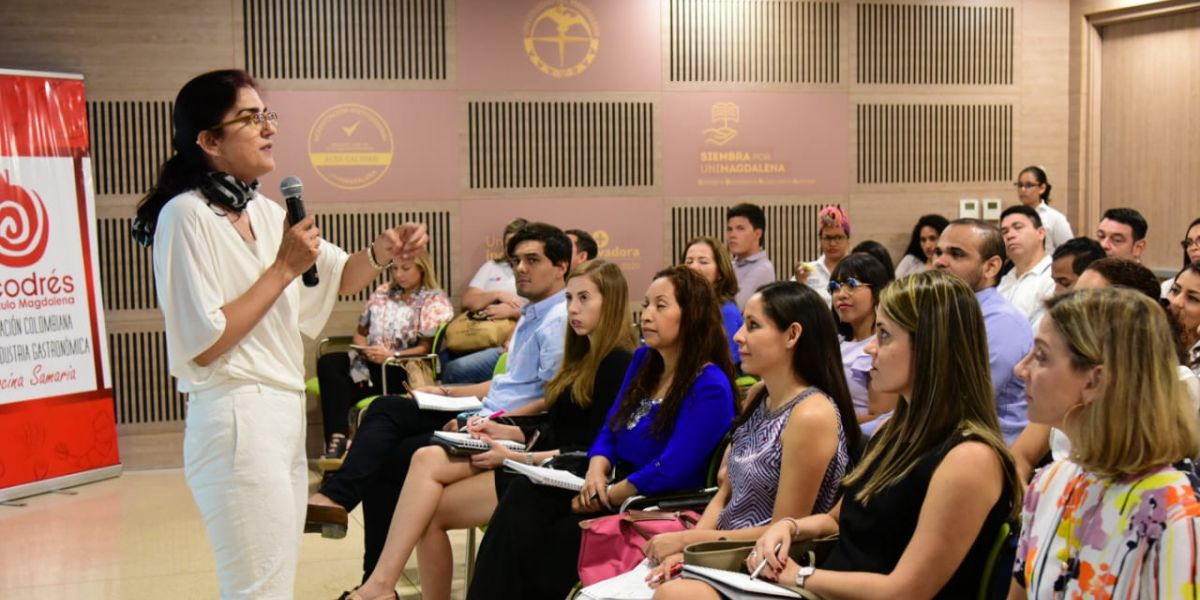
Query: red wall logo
(23, 225)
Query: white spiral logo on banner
(23, 225)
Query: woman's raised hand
(299, 247)
(401, 243)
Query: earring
(1067, 414)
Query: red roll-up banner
(57, 426)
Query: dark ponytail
(1040, 176)
(199, 106)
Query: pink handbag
(613, 544)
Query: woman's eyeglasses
(258, 119)
(850, 283)
(1025, 185)
(1187, 244)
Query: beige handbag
(469, 332)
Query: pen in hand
(676, 569)
(762, 564)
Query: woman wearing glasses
(225, 267)
(1033, 190)
(855, 287)
(834, 228)
(1191, 254)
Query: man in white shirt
(1030, 281)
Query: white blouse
(201, 263)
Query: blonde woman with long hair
(444, 492)
(1115, 519)
(399, 319)
(921, 510)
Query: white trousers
(243, 456)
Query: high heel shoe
(354, 595)
(330, 521)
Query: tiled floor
(140, 536)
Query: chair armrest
(328, 344)
(397, 360)
(671, 501)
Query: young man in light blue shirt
(395, 427)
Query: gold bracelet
(375, 263)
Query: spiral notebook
(427, 401)
(546, 476)
(630, 585)
(737, 586)
(464, 441)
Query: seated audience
(1122, 233)
(1033, 190)
(1115, 519)
(918, 256)
(880, 252)
(1191, 252)
(492, 293)
(1070, 259)
(921, 512)
(1029, 281)
(399, 319)
(708, 257)
(674, 407)
(833, 226)
(794, 439)
(445, 492)
(973, 250)
(395, 426)
(745, 233)
(583, 246)
(855, 287)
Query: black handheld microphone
(291, 188)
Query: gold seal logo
(601, 238)
(566, 32)
(722, 113)
(350, 146)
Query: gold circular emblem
(601, 238)
(562, 37)
(350, 146)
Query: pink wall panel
(605, 45)
(628, 231)
(366, 146)
(756, 143)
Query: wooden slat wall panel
(129, 140)
(935, 45)
(560, 144)
(355, 231)
(791, 231)
(346, 39)
(933, 143)
(756, 41)
(126, 268)
(143, 390)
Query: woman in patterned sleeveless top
(921, 511)
(793, 441)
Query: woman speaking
(226, 263)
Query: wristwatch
(803, 574)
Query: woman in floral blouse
(399, 319)
(1116, 519)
